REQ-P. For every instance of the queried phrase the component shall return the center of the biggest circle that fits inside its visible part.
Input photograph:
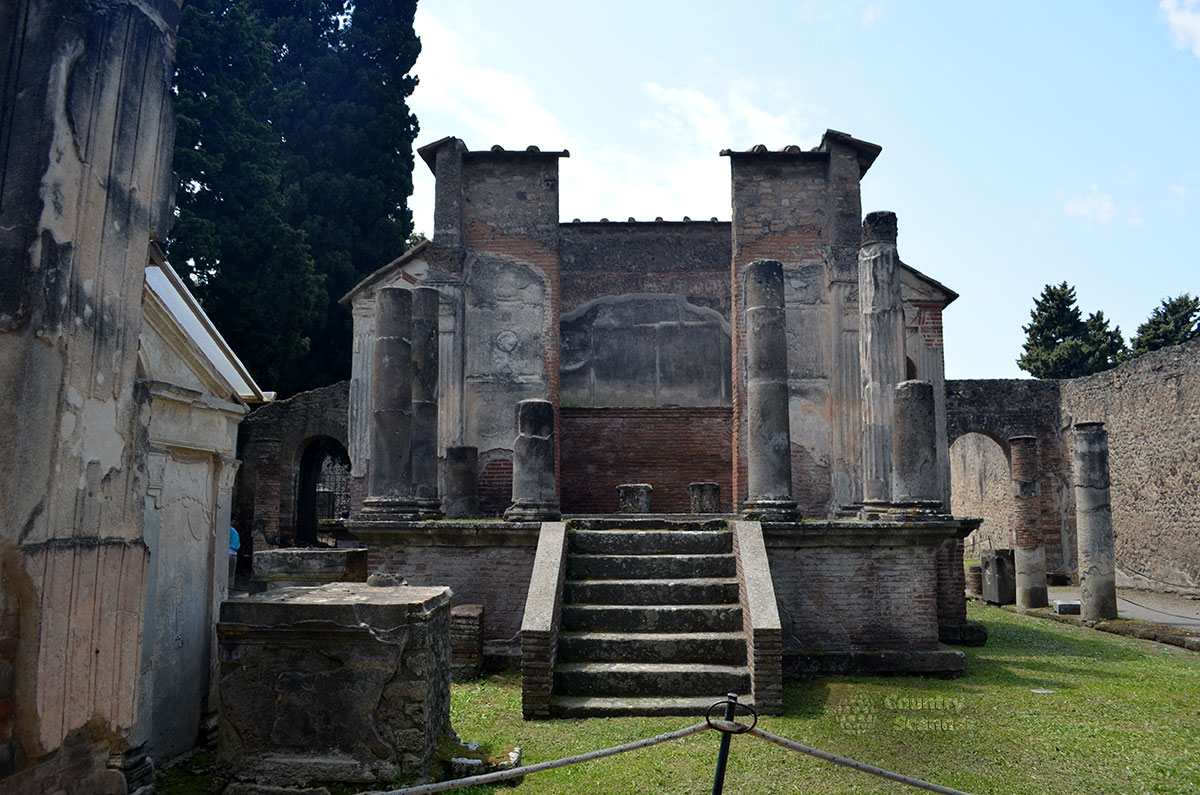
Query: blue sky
(1024, 143)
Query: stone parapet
(760, 617)
(342, 682)
(539, 628)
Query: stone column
(1030, 550)
(768, 436)
(462, 483)
(424, 439)
(881, 352)
(535, 490)
(706, 497)
(389, 485)
(1093, 523)
(915, 483)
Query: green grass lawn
(1123, 717)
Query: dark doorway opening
(323, 490)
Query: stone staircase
(651, 623)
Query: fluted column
(768, 435)
(1029, 554)
(881, 351)
(1093, 523)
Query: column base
(968, 633)
(401, 508)
(1032, 596)
(874, 510)
(533, 512)
(429, 507)
(768, 510)
(916, 509)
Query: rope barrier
(518, 772)
(841, 760)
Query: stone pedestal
(1093, 523)
(461, 498)
(768, 434)
(344, 683)
(389, 486)
(999, 579)
(535, 490)
(1030, 550)
(706, 497)
(881, 351)
(423, 442)
(634, 497)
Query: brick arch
(1002, 409)
(271, 444)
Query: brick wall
(494, 576)
(667, 448)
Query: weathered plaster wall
(682, 258)
(86, 147)
(1151, 409)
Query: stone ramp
(651, 623)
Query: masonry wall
(982, 486)
(1151, 409)
(684, 258)
(667, 448)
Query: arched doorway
(323, 487)
(981, 485)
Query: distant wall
(1151, 409)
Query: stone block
(634, 497)
(343, 682)
(1066, 608)
(999, 577)
(284, 568)
(706, 497)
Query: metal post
(723, 753)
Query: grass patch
(1124, 717)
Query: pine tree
(1061, 344)
(1174, 321)
(306, 100)
(251, 270)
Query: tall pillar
(768, 436)
(535, 489)
(915, 483)
(424, 439)
(1029, 553)
(1093, 523)
(881, 351)
(389, 485)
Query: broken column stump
(461, 497)
(534, 489)
(341, 682)
(634, 497)
(706, 497)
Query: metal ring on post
(721, 725)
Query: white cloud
(1183, 17)
(872, 12)
(1179, 191)
(1095, 206)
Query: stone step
(630, 706)
(646, 567)
(652, 618)
(650, 542)
(726, 648)
(650, 679)
(694, 591)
